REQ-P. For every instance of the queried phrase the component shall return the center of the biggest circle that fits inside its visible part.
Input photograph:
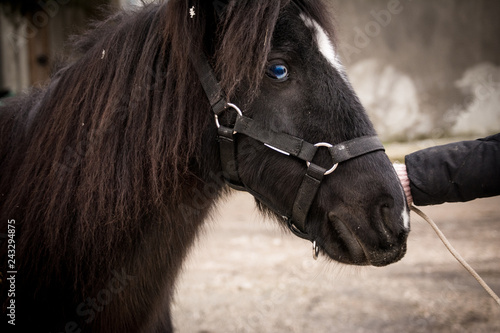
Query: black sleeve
(455, 172)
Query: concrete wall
(424, 68)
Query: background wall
(424, 68)
(33, 33)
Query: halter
(284, 143)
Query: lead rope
(456, 254)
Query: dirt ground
(247, 275)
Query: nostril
(389, 219)
(385, 212)
(387, 202)
(386, 209)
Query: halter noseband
(281, 142)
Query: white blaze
(324, 43)
(406, 218)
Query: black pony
(107, 174)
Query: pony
(108, 172)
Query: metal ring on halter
(228, 105)
(327, 145)
(315, 250)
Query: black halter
(281, 142)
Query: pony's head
(278, 64)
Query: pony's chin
(355, 249)
(344, 246)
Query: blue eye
(277, 72)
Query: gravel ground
(247, 275)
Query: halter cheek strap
(284, 143)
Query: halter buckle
(297, 232)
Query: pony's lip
(359, 254)
(355, 248)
